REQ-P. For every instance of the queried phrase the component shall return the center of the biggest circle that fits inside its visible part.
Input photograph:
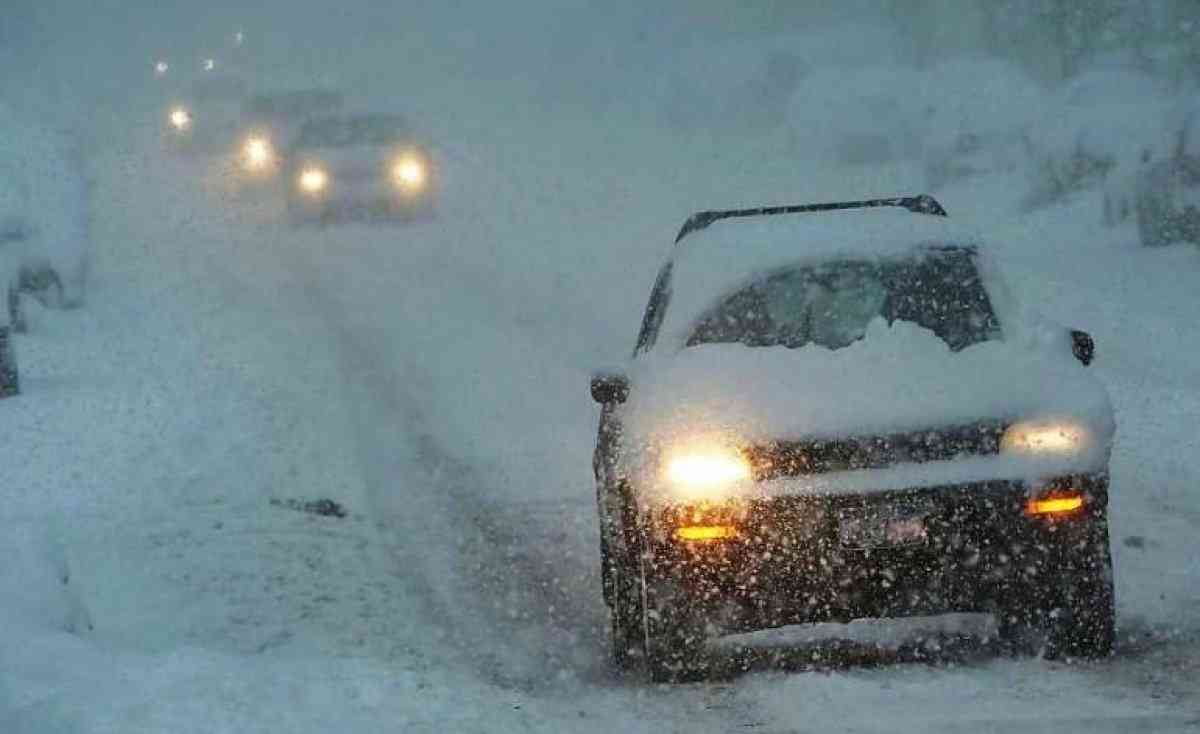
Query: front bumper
(790, 562)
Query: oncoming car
(365, 166)
(270, 121)
(838, 412)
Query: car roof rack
(919, 204)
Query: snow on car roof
(715, 261)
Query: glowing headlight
(313, 180)
(256, 153)
(161, 68)
(1045, 437)
(180, 118)
(706, 469)
(409, 173)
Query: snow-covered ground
(431, 379)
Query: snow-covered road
(431, 379)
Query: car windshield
(303, 103)
(830, 304)
(337, 132)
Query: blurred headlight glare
(1041, 438)
(409, 173)
(313, 180)
(180, 118)
(705, 469)
(257, 153)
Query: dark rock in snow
(323, 507)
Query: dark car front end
(852, 437)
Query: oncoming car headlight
(180, 118)
(313, 180)
(705, 471)
(409, 173)
(257, 153)
(1043, 438)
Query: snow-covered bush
(750, 83)
(1099, 129)
(981, 126)
(44, 207)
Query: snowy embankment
(431, 380)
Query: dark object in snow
(609, 388)
(323, 507)
(9, 382)
(1135, 541)
(1083, 346)
(919, 204)
(16, 317)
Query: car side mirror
(610, 388)
(1082, 346)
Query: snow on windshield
(729, 256)
(831, 304)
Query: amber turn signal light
(705, 532)
(1060, 505)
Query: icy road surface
(432, 380)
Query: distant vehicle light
(180, 118)
(313, 180)
(409, 173)
(209, 64)
(1055, 505)
(257, 153)
(161, 68)
(239, 38)
(1045, 437)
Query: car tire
(1083, 625)
(625, 610)
(1070, 618)
(673, 633)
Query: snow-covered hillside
(164, 573)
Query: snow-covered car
(364, 166)
(204, 117)
(269, 122)
(836, 412)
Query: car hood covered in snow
(897, 379)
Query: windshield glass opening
(830, 304)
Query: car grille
(802, 458)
